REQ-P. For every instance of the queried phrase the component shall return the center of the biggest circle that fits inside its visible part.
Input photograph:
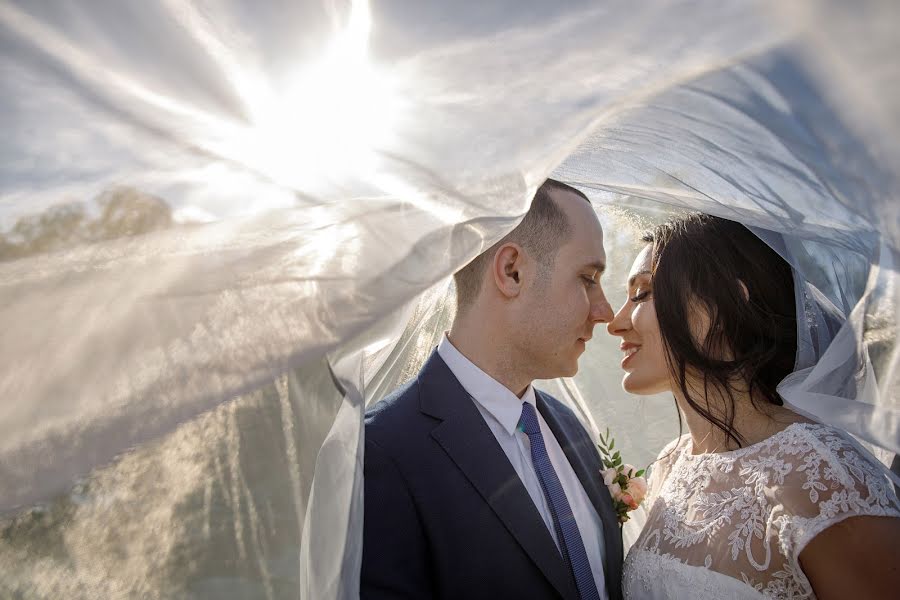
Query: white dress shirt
(501, 410)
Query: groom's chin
(557, 371)
(569, 370)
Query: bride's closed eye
(641, 296)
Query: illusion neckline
(737, 452)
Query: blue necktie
(564, 521)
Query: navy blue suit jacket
(446, 515)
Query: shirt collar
(493, 396)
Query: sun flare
(327, 123)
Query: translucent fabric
(227, 227)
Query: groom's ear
(506, 269)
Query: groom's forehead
(583, 222)
(588, 256)
(586, 244)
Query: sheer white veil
(227, 227)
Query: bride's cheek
(638, 318)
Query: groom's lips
(581, 343)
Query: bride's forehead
(641, 263)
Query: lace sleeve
(833, 479)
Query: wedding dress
(732, 525)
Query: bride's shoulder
(816, 476)
(820, 459)
(815, 441)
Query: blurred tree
(126, 212)
(123, 212)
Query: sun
(327, 123)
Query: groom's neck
(488, 349)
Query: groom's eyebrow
(635, 276)
(598, 266)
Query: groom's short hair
(542, 231)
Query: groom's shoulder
(558, 407)
(562, 411)
(400, 412)
(553, 402)
(395, 411)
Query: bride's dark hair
(713, 265)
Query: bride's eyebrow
(635, 276)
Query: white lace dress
(732, 525)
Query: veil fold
(227, 228)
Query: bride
(756, 500)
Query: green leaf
(639, 473)
(617, 461)
(612, 444)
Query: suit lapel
(586, 463)
(469, 442)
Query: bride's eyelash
(640, 296)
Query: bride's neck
(751, 424)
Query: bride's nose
(621, 322)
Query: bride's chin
(629, 385)
(632, 385)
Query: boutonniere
(626, 484)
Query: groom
(477, 485)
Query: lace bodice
(732, 525)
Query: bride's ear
(507, 269)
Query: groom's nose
(601, 311)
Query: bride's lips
(630, 350)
